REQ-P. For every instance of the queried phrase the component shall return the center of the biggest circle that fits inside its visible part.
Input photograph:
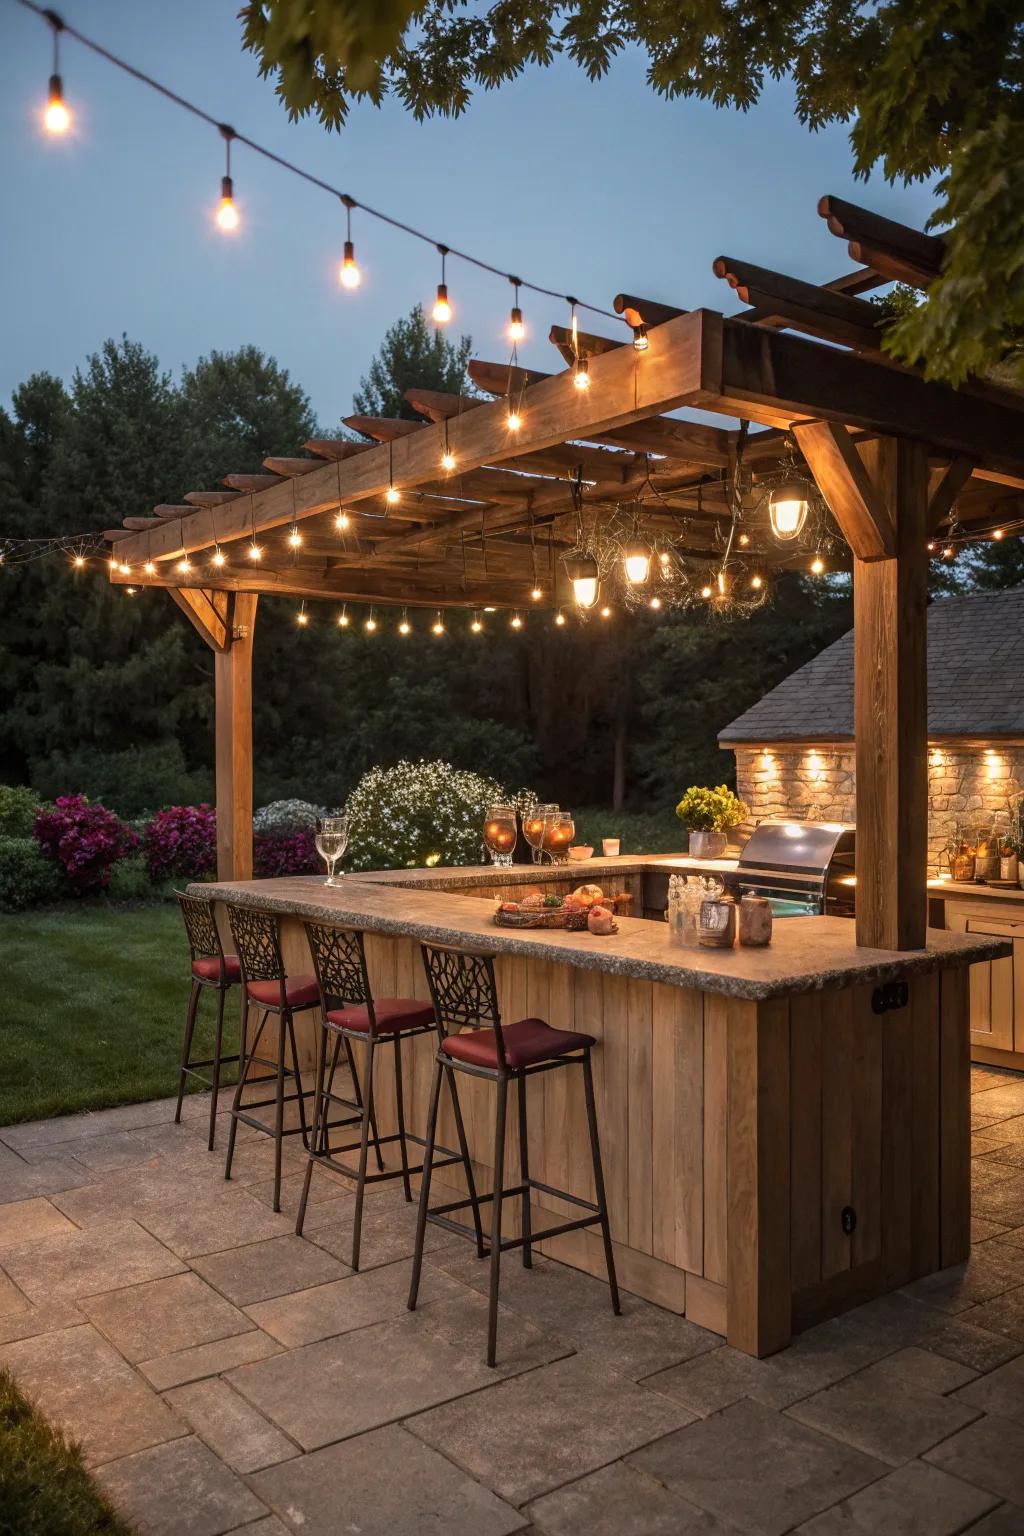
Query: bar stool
(257, 937)
(465, 996)
(350, 1012)
(211, 967)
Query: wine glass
(331, 841)
(559, 831)
(500, 833)
(533, 827)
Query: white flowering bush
(423, 813)
(284, 817)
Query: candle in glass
(559, 831)
(500, 833)
(533, 827)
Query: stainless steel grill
(805, 868)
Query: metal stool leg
(186, 1050)
(602, 1199)
(218, 1046)
(464, 1149)
(364, 1143)
(279, 1109)
(400, 1116)
(321, 1108)
(301, 1102)
(524, 1171)
(243, 1072)
(499, 1185)
(428, 1168)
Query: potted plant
(960, 852)
(1012, 849)
(707, 815)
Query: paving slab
(756, 1469)
(915, 1500)
(576, 1307)
(1003, 1315)
(1007, 1520)
(388, 1233)
(66, 1128)
(1006, 1130)
(133, 1192)
(24, 1220)
(900, 1321)
(181, 1489)
(11, 1298)
(83, 1263)
(203, 1360)
(619, 1499)
(82, 1383)
(329, 1198)
(1004, 1102)
(230, 1426)
(1003, 1202)
(549, 1427)
(48, 1176)
(384, 1483)
(127, 1149)
(26, 1321)
(988, 1453)
(162, 1317)
(1001, 1391)
(258, 1271)
(225, 1217)
(372, 1376)
(360, 1301)
(894, 1410)
(992, 1268)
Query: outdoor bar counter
(785, 1131)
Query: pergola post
(233, 716)
(226, 621)
(878, 491)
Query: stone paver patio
(224, 1375)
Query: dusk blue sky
(585, 188)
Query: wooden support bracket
(947, 488)
(844, 481)
(208, 613)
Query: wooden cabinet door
(997, 986)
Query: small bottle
(755, 919)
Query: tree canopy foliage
(931, 88)
(411, 353)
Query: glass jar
(533, 827)
(559, 831)
(717, 929)
(683, 912)
(755, 920)
(986, 856)
(500, 834)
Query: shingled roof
(975, 679)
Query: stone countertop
(582, 872)
(973, 889)
(806, 953)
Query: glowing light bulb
(349, 275)
(655, 602)
(341, 521)
(130, 591)
(787, 509)
(392, 496)
(931, 549)
(219, 557)
(124, 569)
(997, 533)
(227, 213)
(295, 538)
(437, 628)
(56, 118)
(757, 582)
(636, 563)
(817, 565)
(302, 617)
(113, 566)
(476, 626)
(370, 626)
(448, 460)
(405, 627)
(343, 620)
(537, 594)
(517, 622)
(149, 567)
(516, 328)
(584, 576)
(640, 341)
(744, 538)
(559, 618)
(947, 553)
(442, 311)
(705, 591)
(606, 612)
(581, 374)
(184, 564)
(80, 561)
(255, 552)
(513, 421)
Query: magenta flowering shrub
(86, 840)
(276, 854)
(182, 840)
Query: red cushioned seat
(300, 991)
(527, 1042)
(208, 968)
(393, 1014)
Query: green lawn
(94, 1000)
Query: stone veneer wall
(965, 782)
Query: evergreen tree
(412, 354)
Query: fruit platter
(586, 910)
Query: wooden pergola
(894, 456)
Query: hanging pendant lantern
(584, 577)
(788, 507)
(636, 562)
